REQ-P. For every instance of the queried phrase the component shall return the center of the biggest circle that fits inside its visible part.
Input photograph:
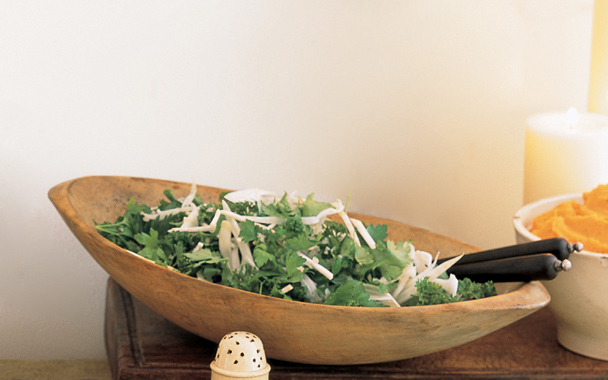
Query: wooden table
(142, 345)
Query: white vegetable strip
(245, 251)
(433, 273)
(314, 264)
(384, 298)
(203, 228)
(234, 256)
(225, 243)
(243, 248)
(349, 227)
(405, 280)
(241, 218)
(364, 233)
(216, 218)
(450, 285)
(311, 289)
(258, 219)
(190, 197)
(405, 295)
(191, 220)
(163, 214)
(287, 288)
(320, 217)
(187, 206)
(266, 227)
(422, 260)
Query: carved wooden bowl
(292, 331)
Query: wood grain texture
(144, 346)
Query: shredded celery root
(239, 253)
(287, 247)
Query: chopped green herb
(286, 247)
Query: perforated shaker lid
(241, 354)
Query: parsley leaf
(336, 271)
(299, 243)
(469, 290)
(350, 293)
(378, 232)
(248, 231)
(261, 255)
(152, 249)
(310, 207)
(205, 256)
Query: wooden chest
(141, 345)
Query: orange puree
(586, 223)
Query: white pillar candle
(598, 76)
(564, 153)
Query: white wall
(414, 108)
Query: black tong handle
(558, 247)
(530, 268)
(538, 260)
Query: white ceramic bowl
(579, 297)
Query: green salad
(287, 247)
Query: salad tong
(538, 260)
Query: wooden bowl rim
(534, 291)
